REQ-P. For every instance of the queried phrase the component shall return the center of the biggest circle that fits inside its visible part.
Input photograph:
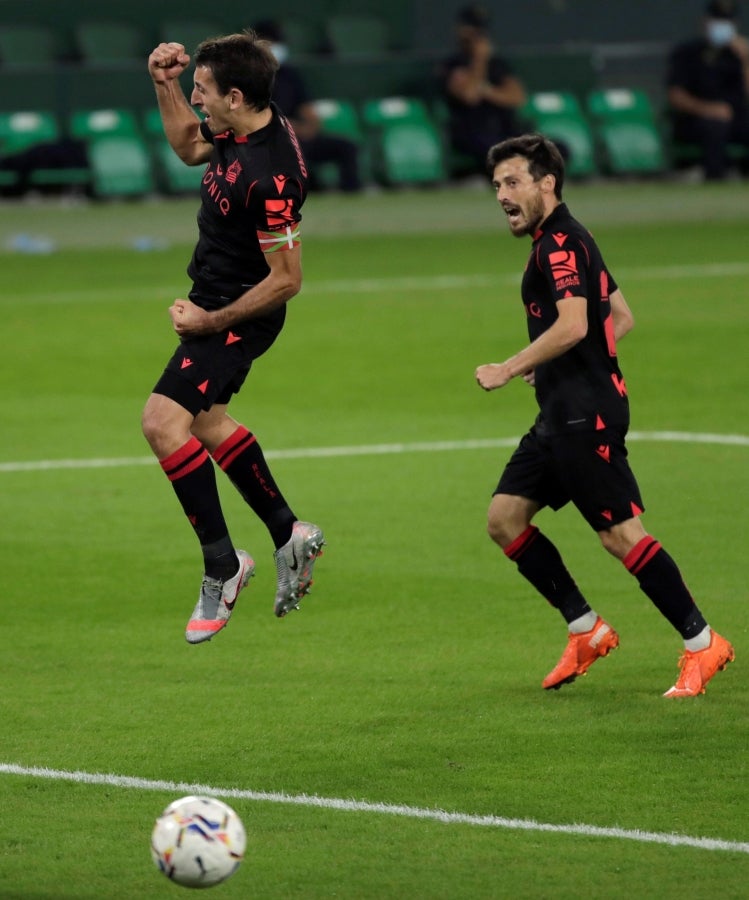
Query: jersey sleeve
(564, 260)
(279, 215)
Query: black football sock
(241, 457)
(538, 561)
(660, 579)
(193, 478)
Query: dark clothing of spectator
(713, 74)
(474, 129)
(291, 95)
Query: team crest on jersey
(233, 172)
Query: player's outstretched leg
(294, 564)
(581, 652)
(216, 601)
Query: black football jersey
(583, 389)
(252, 194)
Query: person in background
(480, 88)
(245, 268)
(576, 451)
(292, 97)
(708, 89)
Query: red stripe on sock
(641, 554)
(519, 545)
(185, 460)
(229, 450)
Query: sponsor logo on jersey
(564, 269)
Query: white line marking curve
(412, 812)
(684, 437)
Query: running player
(576, 450)
(245, 268)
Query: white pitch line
(413, 283)
(388, 809)
(684, 437)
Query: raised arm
(181, 124)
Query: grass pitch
(411, 676)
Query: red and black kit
(575, 450)
(252, 194)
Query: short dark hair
(542, 154)
(241, 61)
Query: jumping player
(576, 448)
(245, 268)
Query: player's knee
(151, 426)
(157, 429)
(501, 525)
(620, 539)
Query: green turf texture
(412, 673)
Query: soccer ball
(198, 841)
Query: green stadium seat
(357, 35)
(339, 117)
(103, 42)
(559, 116)
(406, 146)
(28, 45)
(387, 110)
(90, 123)
(626, 131)
(24, 129)
(120, 166)
(172, 175)
(46, 161)
(409, 153)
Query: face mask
(281, 52)
(720, 32)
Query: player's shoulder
(560, 228)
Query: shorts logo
(604, 451)
(619, 384)
(185, 363)
(564, 269)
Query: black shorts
(207, 370)
(588, 468)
